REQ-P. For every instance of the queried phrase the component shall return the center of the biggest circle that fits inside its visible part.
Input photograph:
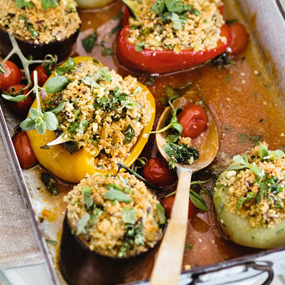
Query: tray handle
(235, 269)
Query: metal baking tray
(266, 22)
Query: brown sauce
(243, 100)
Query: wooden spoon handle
(167, 266)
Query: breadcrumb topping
(197, 29)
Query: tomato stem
(25, 62)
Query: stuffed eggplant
(249, 199)
(40, 27)
(111, 230)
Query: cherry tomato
(11, 77)
(168, 204)
(24, 150)
(193, 119)
(22, 107)
(157, 172)
(239, 38)
(42, 75)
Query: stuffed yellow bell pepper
(102, 119)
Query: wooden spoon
(167, 267)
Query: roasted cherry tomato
(22, 107)
(24, 150)
(168, 204)
(239, 39)
(193, 119)
(11, 77)
(42, 75)
(157, 172)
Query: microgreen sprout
(38, 119)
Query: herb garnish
(188, 246)
(129, 215)
(268, 186)
(66, 67)
(140, 46)
(118, 195)
(173, 11)
(129, 134)
(49, 183)
(86, 192)
(46, 4)
(89, 42)
(134, 235)
(180, 153)
(23, 4)
(198, 201)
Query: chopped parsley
(89, 42)
(49, 183)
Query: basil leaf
(140, 46)
(56, 84)
(59, 107)
(129, 215)
(236, 167)
(118, 195)
(172, 138)
(161, 214)
(158, 7)
(86, 192)
(40, 126)
(198, 201)
(18, 98)
(28, 124)
(46, 4)
(263, 152)
(178, 127)
(277, 154)
(51, 121)
(34, 113)
(89, 42)
(242, 200)
(82, 224)
(170, 92)
(176, 6)
(23, 4)
(95, 215)
(239, 159)
(129, 134)
(112, 186)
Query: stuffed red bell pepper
(171, 35)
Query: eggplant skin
(237, 229)
(81, 266)
(60, 48)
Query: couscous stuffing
(103, 112)
(115, 216)
(191, 24)
(40, 21)
(255, 186)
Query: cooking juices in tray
(243, 100)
